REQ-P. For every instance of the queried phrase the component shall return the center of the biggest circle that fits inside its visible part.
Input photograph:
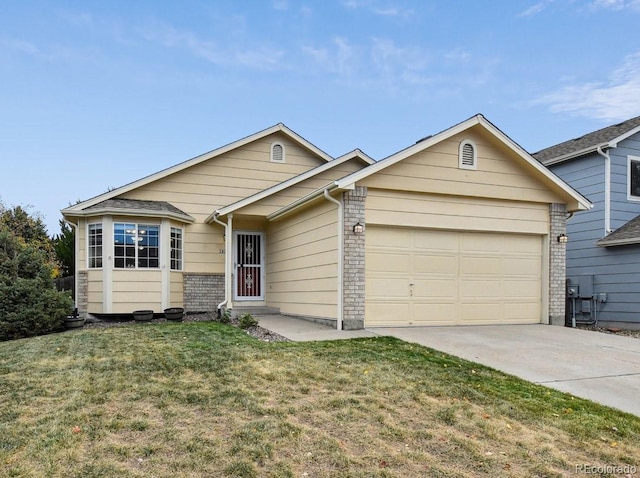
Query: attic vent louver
(468, 157)
(277, 153)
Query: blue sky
(96, 94)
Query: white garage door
(430, 277)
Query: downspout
(340, 256)
(607, 189)
(227, 259)
(76, 255)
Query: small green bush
(29, 302)
(247, 320)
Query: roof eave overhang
(577, 154)
(67, 213)
(621, 242)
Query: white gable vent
(277, 153)
(468, 158)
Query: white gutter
(607, 189)
(228, 227)
(340, 256)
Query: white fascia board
(290, 182)
(583, 203)
(614, 142)
(619, 242)
(194, 161)
(575, 154)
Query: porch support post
(228, 257)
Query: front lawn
(203, 399)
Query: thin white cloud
(258, 57)
(535, 8)
(616, 99)
(385, 9)
(616, 5)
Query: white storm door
(249, 265)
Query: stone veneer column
(82, 294)
(557, 264)
(202, 292)
(353, 273)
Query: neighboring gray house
(603, 249)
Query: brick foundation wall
(557, 264)
(353, 272)
(82, 294)
(202, 292)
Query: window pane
(176, 249)
(95, 245)
(634, 167)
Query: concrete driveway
(601, 367)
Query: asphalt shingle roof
(138, 205)
(627, 234)
(589, 140)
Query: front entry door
(249, 266)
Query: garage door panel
(477, 312)
(389, 238)
(430, 240)
(458, 277)
(433, 314)
(529, 266)
(482, 265)
(480, 289)
(389, 313)
(434, 264)
(387, 287)
(522, 289)
(523, 312)
(439, 289)
(389, 262)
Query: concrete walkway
(601, 367)
(300, 330)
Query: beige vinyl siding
(218, 182)
(94, 291)
(177, 289)
(136, 289)
(276, 201)
(499, 175)
(449, 212)
(302, 263)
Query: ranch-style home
(462, 227)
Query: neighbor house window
(467, 155)
(136, 245)
(176, 249)
(277, 153)
(95, 246)
(634, 177)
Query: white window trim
(88, 246)
(631, 197)
(181, 229)
(461, 165)
(273, 160)
(137, 225)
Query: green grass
(203, 399)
